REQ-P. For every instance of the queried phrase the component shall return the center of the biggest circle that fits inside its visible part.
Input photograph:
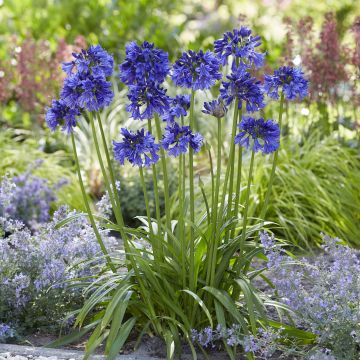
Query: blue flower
(87, 92)
(60, 113)
(178, 107)
(146, 100)
(241, 44)
(196, 70)
(138, 148)
(264, 135)
(215, 108)
(143, 64)
(289, 80)
(177, 139)
(95, 60)
(244, 87)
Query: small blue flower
(138, 148)
(177, 139)
(244, 87)
(241, 44)
(143, 64)
(289, 80)
(87, 92)
(215, 108)
(146, 100)
(60, 113)
(265, 135)
(178, 107)
(95, 61)
(196, 70)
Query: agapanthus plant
(196, 70)
(188, 265)
(138, 148)
(240, 44)
(258, 134)
(289, 81)
(243, 88)
(143, 64)
(177, 139)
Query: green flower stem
(130, 257)
(146, 198)
(181, 223)
(156, 187)
(238, 183)
(275, 159)
(110, 191)
(192, 197)
(220, 214)
(231, 163)
(243, 231)
(165, 174)
(91, 217)
(214, 206)
(238, 188)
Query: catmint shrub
(38, 271)
(324, 292)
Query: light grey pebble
(2, 358)
(5, 355)
(19, 357)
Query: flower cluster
(196, 70)
(144, 70)
(324, 292)
(241, 44)
(258, 134)
(178, 108)
(243, 87)
(144, 64)
(147, 100)
(138, 148)
(85, 88)
(288, 80)
(177, 139)
(6, 332)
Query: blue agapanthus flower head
(60, 114)
(138, 148)
(196, 70)
(241, 44)
(289, 80)
(216, 108)
(245, 88)
(177, 139)
(258, 134)
(87, 92)
(147, 100)
(144, 63)
(178, 107)
(95, 61)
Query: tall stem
(181, 219)
(115, 199)
(232, 164)
(243, 233)
(165, 174)
(156, 188)
(275, 159)
(214, 207)
(91, 217)
(146, 198)
(192, 196)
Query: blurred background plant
(37, 35)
